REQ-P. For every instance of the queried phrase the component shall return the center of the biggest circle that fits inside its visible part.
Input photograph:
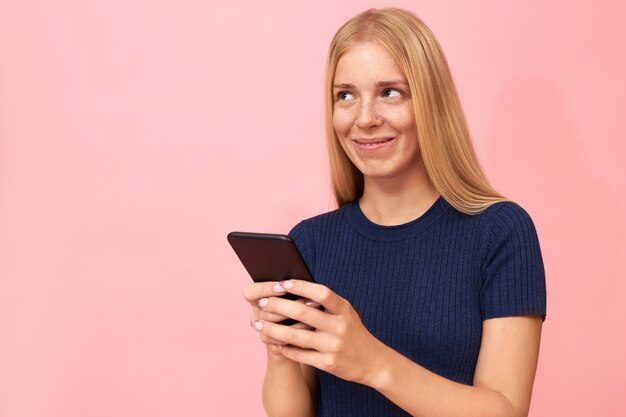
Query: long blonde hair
(444, 141)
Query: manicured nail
(286, 284)
(257, 324)
(312, 303)
(278, 288)
(263, 302)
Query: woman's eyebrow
(390, 83)
(378, 84)
(343, 85)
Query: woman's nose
(368, 116)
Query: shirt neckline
(397, 232)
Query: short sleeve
(513, 276)
(300, 237)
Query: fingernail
(312, 303)
(286, 284)
(278, 288)
(257, 324)
(263, 302)
(279, 347)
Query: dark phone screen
(269, 257)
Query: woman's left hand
(339, 343)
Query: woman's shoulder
(498, 217)
(507, 215)
(309, 231)
(513, 275)
(508, 228)
(320, 220)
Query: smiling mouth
(372, 142)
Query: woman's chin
(378, 174)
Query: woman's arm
(342, 346)
(289, 387)
(503, 379)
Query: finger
(269, 316)
(277, 318)
(262, 313)
(300, 325)
(264, 338)
(292, 336)
(275, 348)
(305, 356)
(298, 311)
(312, 303)
(270, 341)
(321, 294)
(256, 290)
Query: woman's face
(373, 113)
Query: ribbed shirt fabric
(424, 287)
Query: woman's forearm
(285, 389)
(421, 392)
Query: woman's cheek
(409, 120)
(339, 123)
(400, 118)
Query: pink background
(135, 134)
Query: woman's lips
(370, 145)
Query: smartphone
(270, 257)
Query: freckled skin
(368, 109)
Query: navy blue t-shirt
(423, 288)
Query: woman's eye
(391, 92)
(344, 95)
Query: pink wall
(135, 134)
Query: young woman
(432, 283)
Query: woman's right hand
(261, 292)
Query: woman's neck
(398, 200)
